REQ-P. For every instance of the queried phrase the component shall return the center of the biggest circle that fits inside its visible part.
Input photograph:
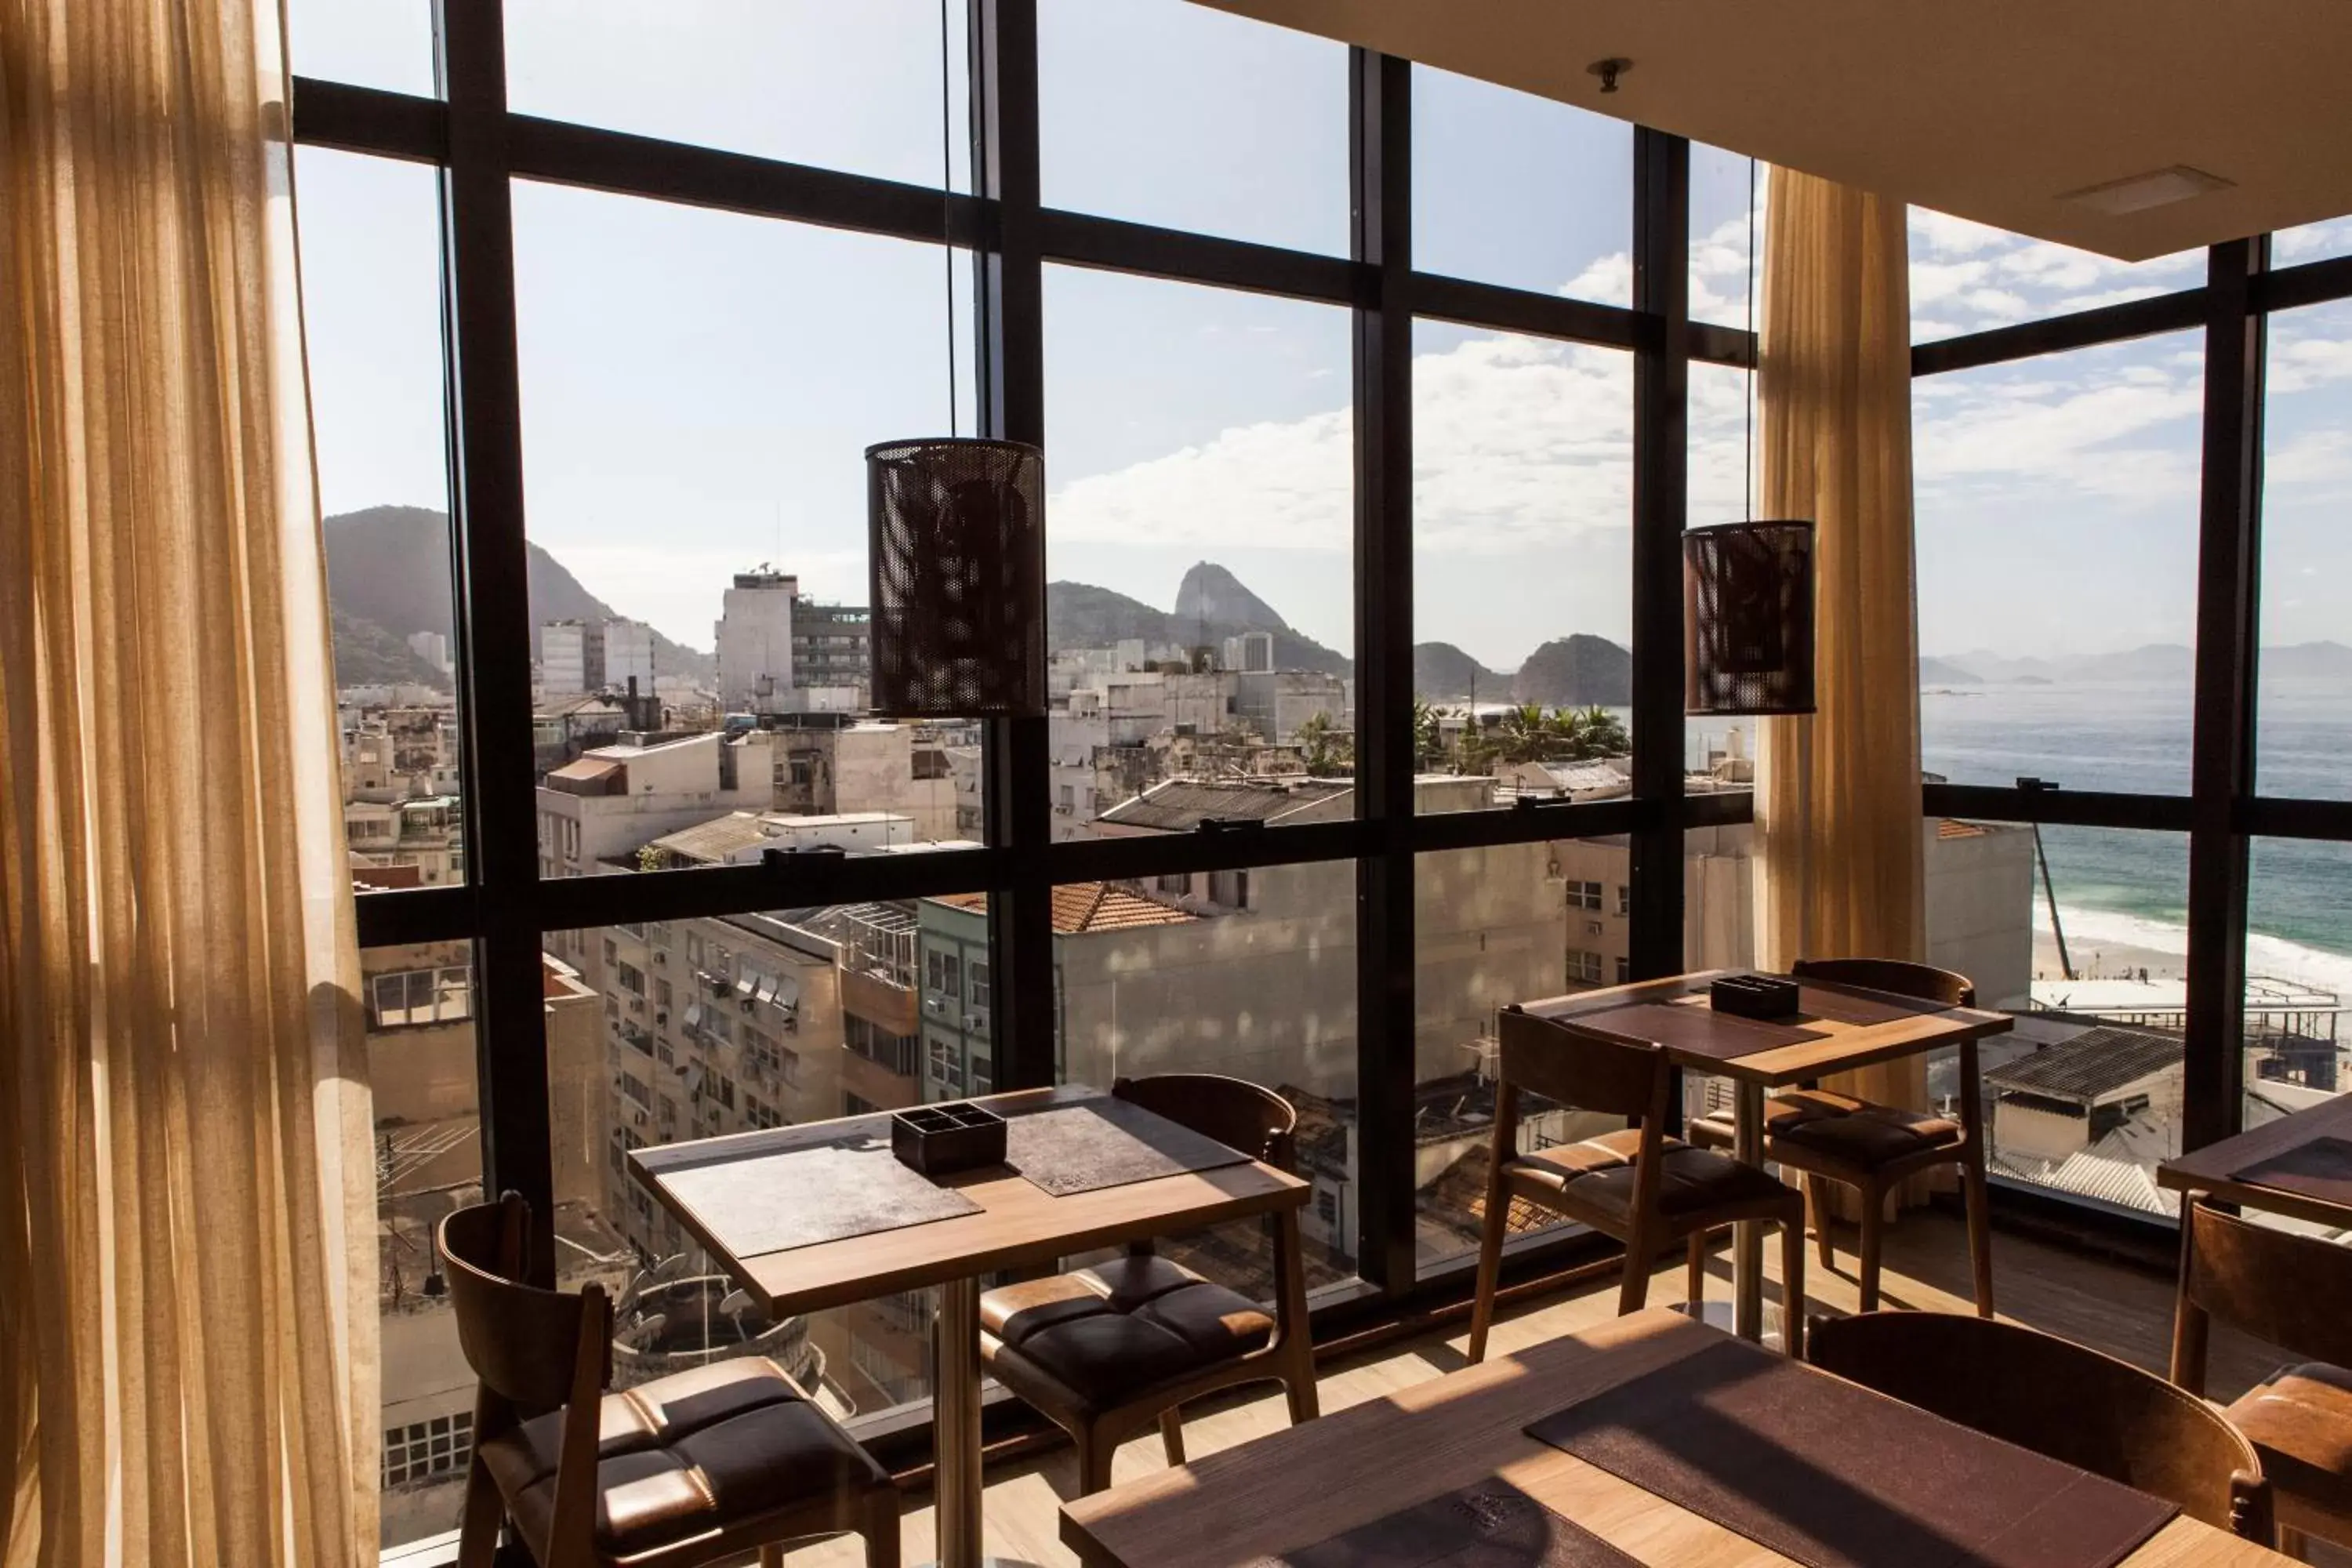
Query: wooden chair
(686, 1470)
(2057, 1398)
(1106, 1351)
(2295, 1291)
(1874, 1148)
(1638, 1187)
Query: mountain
(1444, 673)
(2308, 661)
(1212, 596)
(1080, 614)
(1933, 671)
(1211, 605)
(2152, 661)
(388, 575)
(367, 655)
(1575, 672)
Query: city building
(571, 657)
(755, 643)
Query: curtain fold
(1838, 845)
(187, 1331)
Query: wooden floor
(2125, 1312)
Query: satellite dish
(736, 1303)
(667, 1270)
(649, 1326)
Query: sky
(699, 388)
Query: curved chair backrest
(2278, 1285)
(1234, 1111)
(1601, 1076)
(2057, 1398)
(523, 1342)
(1893, 976)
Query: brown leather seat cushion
(1853, 1131)
(1596, 1176)
(1103, 1335)
(716, 1449)
(2301, 1419)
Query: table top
(1303, 1486)
(1018, 1223)
(2208, 1169)
(1841, 1047)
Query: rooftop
(1182, 805)
(2094, 1064)
(1084, 908)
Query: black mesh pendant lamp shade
(1748, 618)
(957, 557)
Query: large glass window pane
(428, 1161)
(2305, 726)
(1492, 926)
(2057, 504)
(1968, 278)
(1522, 568)
(1727, 237)
(1251, 974)
(2312, 242)
(2298, 973)
(383, 44)
(851, 87)
(1201, 620)
(2083, 1097)
(1170, 114)
(699, 1028)
(699, 391)
(370, 233)
(1511, 188)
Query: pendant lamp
(1748, 592)
(955, 547)
(956, 550)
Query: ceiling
(1990, 109)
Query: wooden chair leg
(1171, 1434)
(1641, 1256)
(1874, 1225)
(1694, 1287)
(1972, 1178)
(772, 1556)
(1095, 1455)
(1792, 1288)
(1818, 1210)
(881, 1529)
(484, 1512)
(1298, 1386)
(1490, 1271)
(2295, 1543)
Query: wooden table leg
(955, 1423)
(1748, 1235)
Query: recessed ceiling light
(2139, 193)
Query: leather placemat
(850, 1184)
(1835, 1476)
(2320, 1169)
(1105, 1141)
(1490, 1524)
(1698, 1029)
(1852, 1004)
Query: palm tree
(1522, 734)
(1427, 740)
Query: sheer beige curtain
(188, 1330)
(1838, 837)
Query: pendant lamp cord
(947, 209)
(1754, 358)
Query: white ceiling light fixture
(2140, 193)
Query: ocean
(2121, 888)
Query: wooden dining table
(1277, 1499)
(1876, 1028)
(1014, 1222)
(2244, 1169)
